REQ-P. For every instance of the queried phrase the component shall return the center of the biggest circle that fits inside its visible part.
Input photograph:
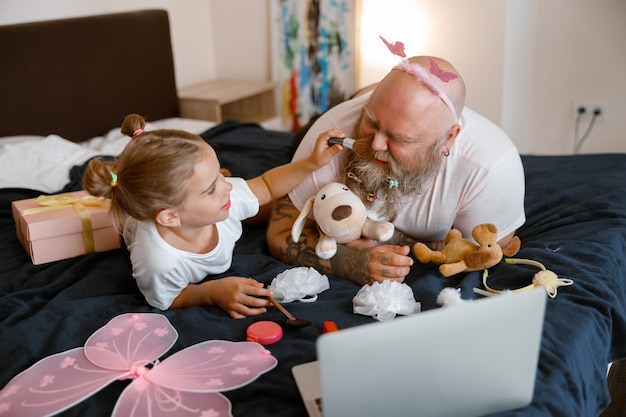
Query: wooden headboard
(79, 77)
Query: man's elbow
(277, 243)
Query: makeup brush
(291, 320)
(361, 147)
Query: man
(434, 165)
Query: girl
(180, 217)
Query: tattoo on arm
(401, 239)
(301, 252)
(283, 209)
(351, 264)
(347, 263)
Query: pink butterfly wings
(440, 73)
(129, 341)
(54, 384)
(396, 48)
(139, 400)
(128, 347)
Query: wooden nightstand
(243, 100)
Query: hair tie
(113, 179)
(354, 177)
(138, 132)
(392, 182)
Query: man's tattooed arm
(347, 263)
(402, 239)
(351, 264)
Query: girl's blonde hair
(149, 175)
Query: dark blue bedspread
(576, 226)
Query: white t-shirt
(163, 271)
(481, 181)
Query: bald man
(434, 165)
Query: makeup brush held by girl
(361, 147)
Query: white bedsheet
(43, 162)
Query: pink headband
(421, 75)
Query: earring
(447, 152)
(178, 223)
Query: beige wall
(192, 39)
(524, 61)
(579, 55)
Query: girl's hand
(240, 297)
(324, 151)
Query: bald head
(445, 76)
(439, 76)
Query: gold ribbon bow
(58, 201)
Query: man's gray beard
(374, 179)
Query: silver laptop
(468, 360)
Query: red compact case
(264, 332)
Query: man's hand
(389, 262)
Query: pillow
(40, 164)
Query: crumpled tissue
(302, 284)
(385, 300)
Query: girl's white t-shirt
(162, 271)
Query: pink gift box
(63, 226)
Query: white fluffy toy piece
(385, 300)
(341, 217)
(299, 284)
(450, 297)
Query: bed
(67, 84)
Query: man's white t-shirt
(163, 271)
(481, 181)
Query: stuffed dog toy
(341, 217)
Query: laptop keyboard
(315, 408)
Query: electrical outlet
(586, 109)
